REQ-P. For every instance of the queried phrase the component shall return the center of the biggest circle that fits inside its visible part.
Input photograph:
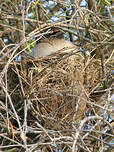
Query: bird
(53, 45)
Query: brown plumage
(53, 45)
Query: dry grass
(52, 104)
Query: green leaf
(107, 2)
(28, 47)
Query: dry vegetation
(62, 101)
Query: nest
(57, 85)
(58, 88)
